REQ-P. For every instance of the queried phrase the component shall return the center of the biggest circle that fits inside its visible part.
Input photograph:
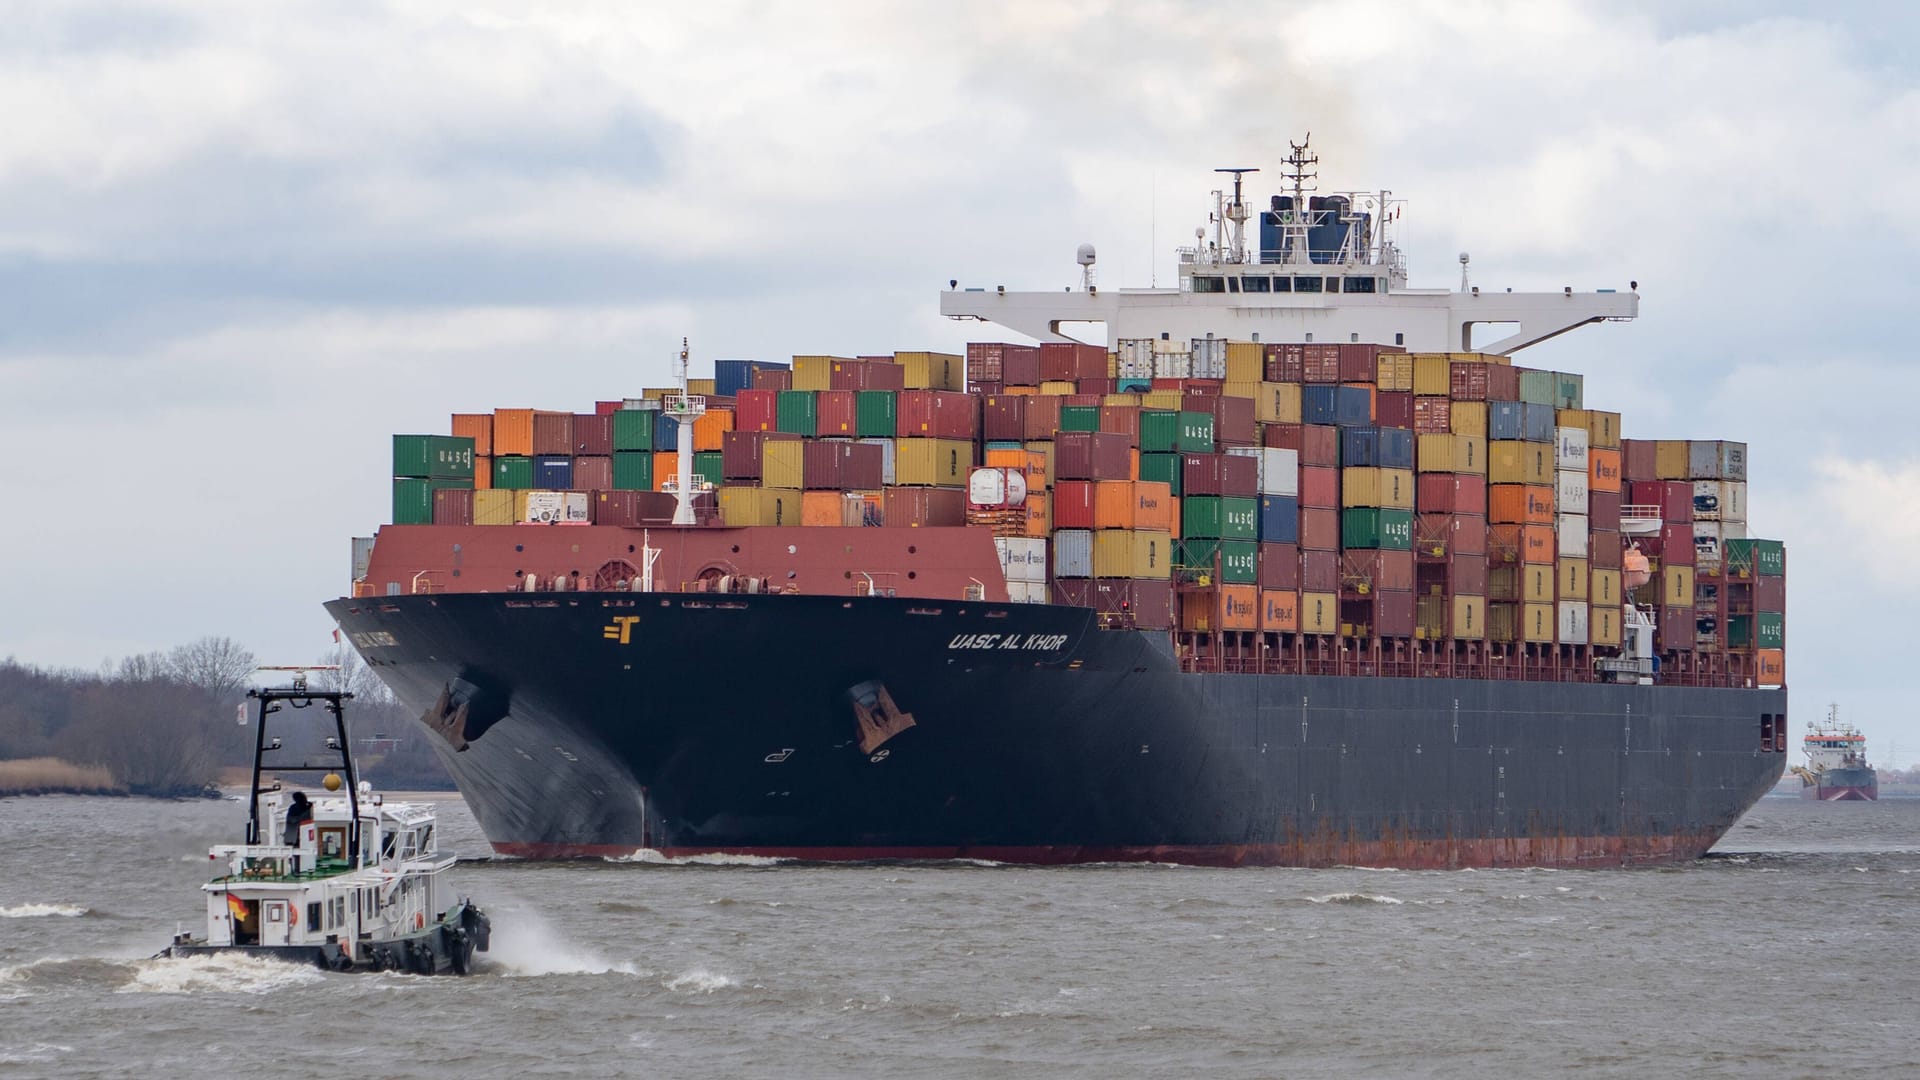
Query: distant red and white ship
(1836, 769)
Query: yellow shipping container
(1132, 553)
(1573, 579)
(781, 463)
(1536, 584)
(1169, 400)
(1468, 418)
(1364, 485)
(1574, 418)
(1480, 358)
(1538, 623)
(932, 462)
(1246, 362)
(742, 504)
(1510, 461)
(816, 372)
(1470, 617)
(1451, 454)
(1319, 613)
(1603, 625)
(932, 370)
(493, 507)
(1676, 586)
(1603, 430)
(1276, 403)
(1393, 371)
(1241, 389)
(1120, 399)
(703, 387)
(1605, 588)
(1670, 459)
(1432, 374)
(1056, 387)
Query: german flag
(237, 906)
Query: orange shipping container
(822, 508)
(666, 469)
(512, 432)
(1132, 504)
(710, 431)
(1039, 514)
(479, 428)
(1279, 610)
(1239, 607)
(1770, 667)
(482, 473)
(1520, 544)
(1520, 504)
(1603, 470)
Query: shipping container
(1376, 528)
(933, 462)
(1218, 517)
(840, 466)
(1570, 448)
(1571, 535)
(1131, 553)
(1279, 519)
(1570, 582)
(595, 472)
(798, 410)
(924, 507)
(1519, 504)
(782, 463)
(593, 434)
(937, 415)
(1521, 544)
(1070, 361)
(1570, 491)
(539, 507)
(1572, 623)
(1603, 626)
(444, 505)
(1278, 566)
(1073, 553)
(1450, 493)
(437, 457)
(493, 507)
(1382, 447)
(1388, 488)
(730, 377)
(1603, 470)
(479, 428)
(754, 410)
(1670, 459)
(1716, 460)
(1278, 470)
(1755, 558)
(1506, 420)
(1603, 432)
(1770, 667)
(553, 472)
(1277, 403)
(742, 504)
(1219, 474)
(1319, 613)
(1131, 504)
(552, 433)
(512, 473)
(1603, 589)
(512, 433)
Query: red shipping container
(868, 375)
(1043, 416)
(841, 466)
(1285, 363)
(595, 473)
(1004, 416)
(1637, 457)
(917, 507)
(772, 379)
(935, 414)
(1091, 455)
(1503, 382)
(1393, 408)
(987, 387)
(1122, 420)
(1072, 506)
(1219, 474)
(1233, 422)
(1145, 602)
(757, 410)
(1674, 629)
(1467, 382)
(1769, 593)
(1603, 511)
(1604, 550)
(1280, 566)
(1319, 486)
(1091, 401)
(552, 433)
(593, 433)
(984, 362)
(1320, 570)
(1319, 531)
(836, 414)
(1316, 444)
(607, 408)
(740, 452)
(1676, 544)
(1359, 363)
(1170, 384)
(1438, 536)
(1320, 363)
(1450, 493)
(1021, 364)
(1387, 614)
(1099, 387)
(1458, 575)
(1674, 498)
(1062, 360)
(453, 506)
(1072, 592)
(632, 509)
(1376, 570)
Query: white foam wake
(1353, 898)
(218, 973)
(655, 858)
(700, 981)
(526, 945)
(41, 911)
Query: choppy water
(1792, 952)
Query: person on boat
(299, 812)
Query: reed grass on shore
(52, 776)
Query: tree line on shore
(163, 724)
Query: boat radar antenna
(299, 671)
(1294, 226)
(684, 407)
(1085, 258)
(1236, 212)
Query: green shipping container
(1539, 387)
(413, 498)
(1239, 559)
(706, 466)
(1765, 558)
(876, 414)
(442, 457)
(633, 470)
(798, 412)
(1196, 433)
(1762, 630)
(1219, 517)
(1163, 468)
(1079, 418)
(1159, 432)
(513, 472)
(1569, 391)
(1388, 530)
(633, 429)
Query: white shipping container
(1570, 491)
(1208, 350)
(1172, 366)
(1022, 558)
(1135, 351)
(997, 488)
(1706, 500)
(886, 457)
(1027, 592)
(1570, 536)
(362, 556)
(1570, 448)
(1073, 553)
(1733, 530)
(1733, 500)
(1707, 544)
(1279, 468)
(557, 508)
(1573, 622)
(1137, 369)
(1209, 368)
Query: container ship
(1283, 574)
(1836, 768)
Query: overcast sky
(241, 244)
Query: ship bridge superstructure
(1316, 268)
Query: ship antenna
(1299, 161)
(1237, 214)
(685, 407)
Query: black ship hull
(832, 728)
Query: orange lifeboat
(1634, 569)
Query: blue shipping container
(1317, 404)
(1536, 423)
(1396, 448)
(1386, 448)
(1505, 420)
(553, 473)
(732, 376)
(666, 433)
(1353, 406)
(1279, 519)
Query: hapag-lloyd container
(1570, 491)
(1570, 448)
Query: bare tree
(216, 665)
(139, 668)
(354, 675)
